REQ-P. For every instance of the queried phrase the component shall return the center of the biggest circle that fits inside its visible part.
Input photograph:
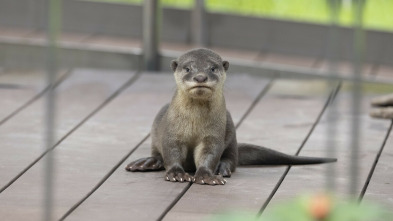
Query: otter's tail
(250, 154)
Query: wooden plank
(380, 188)
(92, 150)
(30, 53)
(64, 37)
(22, 136)
(134, 195)
(384, 71)
(14, 32)
(280, 121)
(290, 60)
(345, 68)
(22, 88)
(113, 41)
(17, 88)
(39, 36)
(228, 53)
(312, 179)
(23, 78)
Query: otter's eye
(213, 69)
(187, 70)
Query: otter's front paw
(224, 169)
(145, 164)
(177, 174)
(204, 176)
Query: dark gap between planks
(253, 104)
(37, 96)
(330, 99)
(102, 105)
(370, 174)
(102, 181)
(180, 195)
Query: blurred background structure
(256, 28)
(303, 73)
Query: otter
(195, 131)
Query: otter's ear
(174, 65)
(226, 65)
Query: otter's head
(199, 73)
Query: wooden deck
(103, 122)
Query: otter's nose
(200, 78)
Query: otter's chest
(192, 126)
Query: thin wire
(106, 177)
(358, 52)
(329, 100)
(331, 54)
(50, 133)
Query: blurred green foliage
(371, 88)
(300, 209)
(377, 13)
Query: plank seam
(371, 172)
(36, 97)
(102, 105)
(102, 181)
(253, 104)
(174, 202)
(330, 99)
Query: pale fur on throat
(182, 102)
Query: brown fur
(195, 132)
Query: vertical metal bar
(358, 52)
(151, 30)
(331, 53)
(53, 22)
(199, 24)
(3, 58)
